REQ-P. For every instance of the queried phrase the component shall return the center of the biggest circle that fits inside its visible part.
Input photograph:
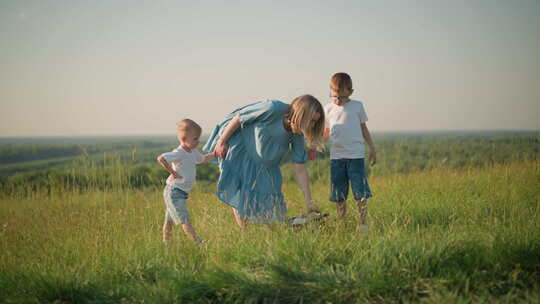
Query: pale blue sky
(137, 67)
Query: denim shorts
(175, 205)
(345, 171)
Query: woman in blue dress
(251, 143)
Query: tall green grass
(440, 235)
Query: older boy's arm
(372, 156)
(221, 146)
(165, 164)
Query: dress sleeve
(256, 112)
(298, 148)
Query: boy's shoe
(200, 241)
(363, 229)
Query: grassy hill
(454, 219)
(438, 236)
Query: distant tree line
(134, 166)
(16, 154)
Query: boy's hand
(312, 154)
(372, 157)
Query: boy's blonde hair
(301, 113)
(341, 82)
(187, 126)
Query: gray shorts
(175, 205)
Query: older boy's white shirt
(184, 163)
(346, 140)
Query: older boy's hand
(372, 157)
(312, 154)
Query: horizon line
(206, 134)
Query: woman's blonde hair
(301, 114)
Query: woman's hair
(341, 82)
(301, 114)
(188, 125)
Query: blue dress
(250, 179)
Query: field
(455, 218)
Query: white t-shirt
(183, 162)
(346, 140)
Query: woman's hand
(221, 146)
(221, 149)
(303, 181)
(312, 207)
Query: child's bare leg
(341, 208)
(362, 210)
(167, 231)
(189, 231)
(239, 219)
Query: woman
(251, 143)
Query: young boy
(347, 130)
(180, 163)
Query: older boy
(347, 130)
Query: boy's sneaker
(200, 241)
(363, 229)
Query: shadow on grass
(390, 271)
(25, 288)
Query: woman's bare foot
(241, 221)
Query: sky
(137, 67)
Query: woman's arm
(221, 146)
(372, 156)
(302, 179)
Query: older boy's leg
(362, 210)
(339, 186)
(341, 208)
(239, 219)
(167, 231)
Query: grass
(437, 236)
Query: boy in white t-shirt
(347, 131)
(180, 163)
